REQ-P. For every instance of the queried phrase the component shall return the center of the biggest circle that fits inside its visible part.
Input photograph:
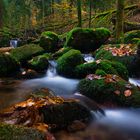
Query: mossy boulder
(39, 63)
(105, 67)
(123, 53)
(13, 132)
(49, 41)
(61, 51)
(85, 39)
(67, 62)
(110, 89)
(129, 36)
(26, 52)
(8, 65)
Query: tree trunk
(1, 13)
(120, 19)
(79, 11)
(90, 10)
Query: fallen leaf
(127, 93)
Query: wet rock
(28, 74)
(56, 112)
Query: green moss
(135, 40)
(110, 89)
(68, 61)
(8, 65)
(39, 63)
(100, 72)
(109, 67)
(85, 39)
(49, 41)
(61, 51)
(104, 53)
(26, 52)
(129, 36)
(13, 132)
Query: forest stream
(119, 123)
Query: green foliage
(26, 52)
(13, 132)
(39, 63)
(85, 39)
(8, 65)
(110, 89)
(68, 61)
(108, 67)
(49, 41)
(129, 36)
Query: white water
(13, 43)
(88, 58)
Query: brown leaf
(127, 93)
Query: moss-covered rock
(110, 89)
(26, 52)
(129, 36)
(87, 39)
(67, 62)
(39, 63)
(49, 41)
(8, 65)
(61, 51)
(13, 132)
(124, 53)
(106, 66)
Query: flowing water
(117, 124)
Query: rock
(102, 67)
(39, 63)
(49, 41)
(86, 39)
(110, 89)
(28, 74)
(26, 52)
(14, 132)
(123, 53)
(60, 52)
(43, 92)
(8, 65)
(129, 36)
(67, 63)
(76, 126)
(56, 112)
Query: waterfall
(88, 58)
(13, 43)
(51, 72)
